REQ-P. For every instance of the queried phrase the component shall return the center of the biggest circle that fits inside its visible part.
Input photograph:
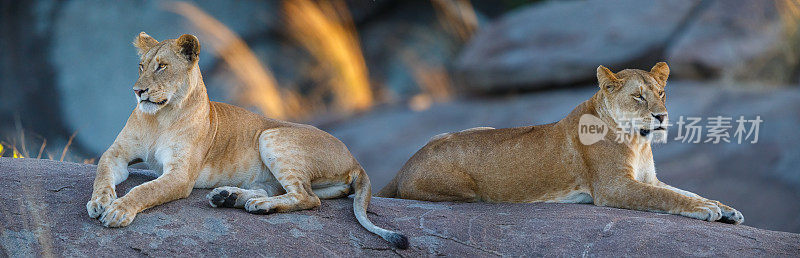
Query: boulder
(556, 42)
(760, 180)
(44, 214)
(26, 75)
(394, 47)
(741, 40)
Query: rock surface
(761, 180)
(568, 39)
(740, 39)
(44, 214)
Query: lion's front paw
(118, 215)
(259, 206)
(730, 215)
(100, 201)
(704, 210)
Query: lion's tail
(363, 192)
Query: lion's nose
(139, 92)
(660, 117)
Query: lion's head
(636, 99)
(165, 70)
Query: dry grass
(457, 17)
(42, 153)
(18, 146)
(41, 148)
(14, 153)
(781, 65)
(66, 147)
(789, 11)
(325, 29)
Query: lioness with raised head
(256, 163)
(549, 163)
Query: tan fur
(256, 163)
(548, 163)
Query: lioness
(256, 163)
(548, 163)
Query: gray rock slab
(736, 39)
(556, 42)
(44, 214)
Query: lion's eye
(638, 97)
(661, 94)
(141, 67)
(161, 67)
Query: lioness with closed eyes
(549, 163)
(256, 163)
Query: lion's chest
(644, 169)
(154, 164)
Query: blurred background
(386, 75)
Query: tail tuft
(398, 240)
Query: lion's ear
(189, 47)
(144, 42)
(660, 72)
(606, 79)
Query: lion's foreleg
(627, 193)
(175, 183)
(729, 215)
(112, 169)
(677, 190)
